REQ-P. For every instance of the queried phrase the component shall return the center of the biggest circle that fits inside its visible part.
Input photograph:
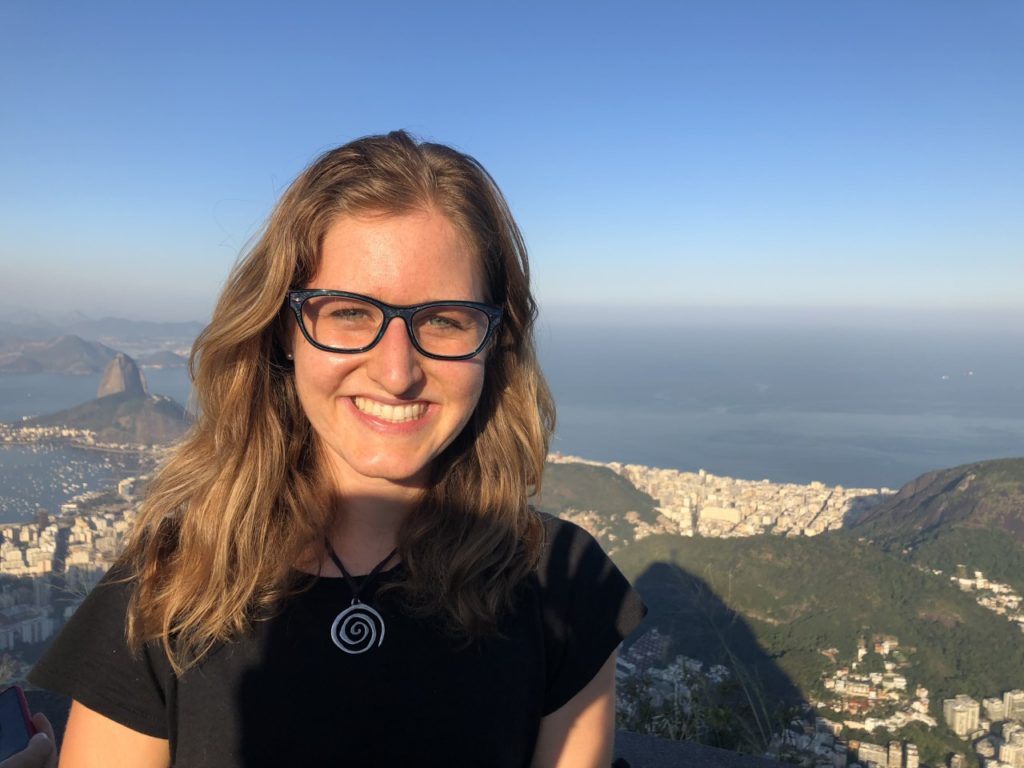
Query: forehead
(400, 258)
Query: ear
(284, 336)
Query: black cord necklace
(359, 627)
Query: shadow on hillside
(288, 696)
(702, 627)
(863, 508)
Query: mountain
(165, 358)
(588, 486)
(27, 343)
(124, 418)
(772, 601)
(971, 515)
(19, 322)
(65, 354)
(123, 411)
(137, 330)
(122, 375)
(770, 606)
(989, 494)
(603, 502)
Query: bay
(47, 475)
(855, 407)
(860, 408)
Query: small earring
(289, 356)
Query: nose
(394, 362)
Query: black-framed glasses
(339, 321)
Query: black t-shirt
(287, 695)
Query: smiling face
(384, 415)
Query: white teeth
(395, 413)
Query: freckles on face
(384, 415)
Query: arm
(581, 733)
(92, 740)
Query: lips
(396, 414)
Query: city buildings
(961, 714)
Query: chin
(397, 472)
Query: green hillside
(779, 601)
(570, 489)
(585, 486)
(971, 515)
(999, 557)
(988, 495)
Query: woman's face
(385, 414)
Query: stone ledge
(638, 751)
(650, 752)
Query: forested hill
(989, 494)
(604, 502)
(971, 515)
(792, 598)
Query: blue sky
(860, 154)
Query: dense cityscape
(49, 564)
(700, 503)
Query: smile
(392, 413)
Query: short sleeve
(90, 661)
(589, 608)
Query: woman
(338, 565)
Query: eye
(447, 320)
(444, 322)
(337, 310)
(349, 313)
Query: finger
(39, 753)
(42, 724)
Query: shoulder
(106, 604)
(588, 608)
(574, 570)
(555, 528)
(91, 662)
(572, 553)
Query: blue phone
(15, 722)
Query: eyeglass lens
(348, 324)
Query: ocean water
(47, 475)
(26, 395)
(860, 408)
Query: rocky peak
(122, 375)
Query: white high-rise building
(961, 714)
(872, 755)
(995, 709)
(1012, 754)
(895, 754)
(1013, 704)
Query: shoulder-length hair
(242, 498)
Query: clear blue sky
(862, 154)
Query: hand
(41, 751)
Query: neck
(365, 530)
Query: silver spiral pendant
(358, 628)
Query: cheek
(318, 375)
(472, 387)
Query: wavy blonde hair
(243, 498)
